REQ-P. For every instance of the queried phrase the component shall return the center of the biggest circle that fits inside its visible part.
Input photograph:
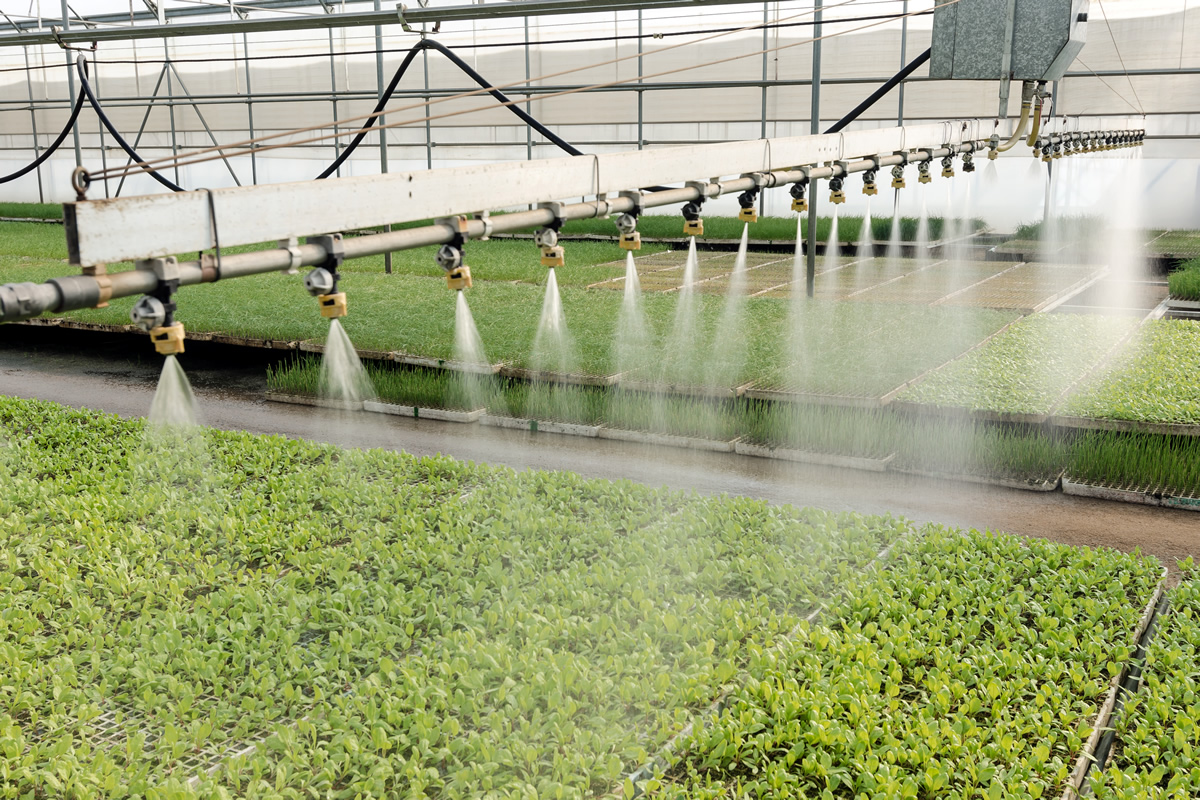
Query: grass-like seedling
(970, 448)
(1185, 281)
(32, 211)
(820, 429)
(1139, 462)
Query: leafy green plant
(1156, 755)
(962, 670)
(1157, 381)
(1027, 368)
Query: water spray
(450, 255)
(155, 312)
(322, 282)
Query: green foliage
(1143, 462)
(1158, 381)
(971, 448)
(866, 433)
(1027, 368)
(1185, 281)
(304, 620)
(32, 211)
(1156, 755)
(962, 670)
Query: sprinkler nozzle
(948, 167)
(836, 195)
(168, 339)
(799, 198)
(869, 187)
(747, 201)
(630, 238)
(149, 313)
(333, 306)
(898, 177)
(320, 282)
(552, 254)
(968, 163)
(923, 175)
(459, 278)
(693, 225)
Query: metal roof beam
(413, 16)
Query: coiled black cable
(49, 151)
(86, 88)
(413, 52)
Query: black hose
(878, 94)
(49, 151)
(81, 66)
(425, 44)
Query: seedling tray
(808, 457)
(667, 440)
(416, 412)
(1136, 495)
(316, 402)
(1006, 483)
(540, 426)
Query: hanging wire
(193, 158)
(1109, 85)
(167, 160)
(1121, 58)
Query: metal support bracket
(292, 245)
(335, 254)
(639, 202)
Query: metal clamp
(335, 253)
(639, 203)
(292, 246)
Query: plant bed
(815, 398)
(807, 457)
(1149, 465)
(933, 410)
(409, 621)
(1131, 494)
(1154, 755)
(250, 341)
(540, 426)
(974, 665)
(1015, 457)
(442, 414)
(666, 440)
(447, 364)
(1123, 426)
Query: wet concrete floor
(118, 373)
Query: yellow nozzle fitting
(553, 257)
(870, 189)
(631, 241)
(993, 154)
(800, 206)
(837, 197)
(693, 227)
(168, 339)
(333, 306)
(748, 215)
(948, 172)
(459, 279)
(924, 177)
(898, 183)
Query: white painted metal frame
(109, 231)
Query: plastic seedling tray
(247, 341)
(1006, 483)
(667, 440)
(570, 378)
(417, 412)
(540, 426)
(808, 457)
(316, 402)
(1136, 495)
(445, 363)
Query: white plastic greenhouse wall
(1156, 41)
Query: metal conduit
(20, 301)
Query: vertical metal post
(383, 158)
(337, 142)
(1010, 24)
(528, 105)
(103, 154)
(641, 94)
(66, 21)
(762, 196)
(814, 128)
(1048, 205)
(37, 152)
(171, 105)
(903, 63)
(428, 124)
(250, 110)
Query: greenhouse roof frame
(396, 16)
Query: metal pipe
(66, 21)
(810, 266)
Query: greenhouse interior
(609, 399)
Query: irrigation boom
(147, 230)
